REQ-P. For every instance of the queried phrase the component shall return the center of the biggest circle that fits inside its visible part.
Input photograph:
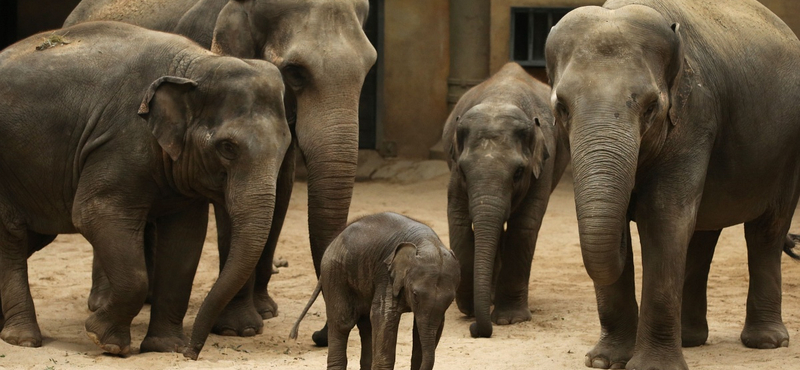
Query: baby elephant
(505, 158)
(378, 268)
(105, 127)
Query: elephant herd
(678, 115)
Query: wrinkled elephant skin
(682, 117)
(505, 157)
(324, 56)
(77, 158)
(379, 267)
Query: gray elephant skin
(505, 157)
(682, 116)
(379, 267)
(324, 56)
(77, 158)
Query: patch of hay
(52, 40)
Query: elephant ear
(540, 150)
(680, 77)
(233, 33)
(166, 108)
(400, 262)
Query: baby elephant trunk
(427, 332)
(317, 290)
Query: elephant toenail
(766, 345)
(249, 332)
(618, 365)
(784, 343)
(599, 363)
(228, 332)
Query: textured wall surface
(416, 64)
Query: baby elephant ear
(166, 108)
(399, 263)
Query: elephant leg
(385, 324)
(462, 242)
(365, 332)
(264, 304)
(20, 327)
(239, 317)
(665, 231)
(763, 326)
(511, 297)
(180, 243)
(150, 243)
(342, 318)
(117, 236)
(619, 313)
(101, 288)
(694, 326)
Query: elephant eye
(228, 149)
(561, 111)
(650, 111)
(518, 173)
(295, 76)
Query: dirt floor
(564, 325)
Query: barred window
(529, 29)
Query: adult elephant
(323, 54)
(682, 116)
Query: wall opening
(368, 104)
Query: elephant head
(224, 134)
(324, 56)
(499, 152)
(425, 278)
(617, 90)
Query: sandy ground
(563, 328)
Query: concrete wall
(416, 63)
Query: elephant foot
(239, 319)
(765, 335)
(662, 359)
(22, 335)
(99, 295)
(507, 315)
(153, 343)
(111, 338)
(320, 337)
(265, 306)
(610, 353)
(694, 335)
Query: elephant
(682, 117)
(505, 158)
(324, 56)
(77, 158)
(378, 268)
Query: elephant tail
(317, 290)
(789, 244)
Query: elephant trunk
(427, 328)
(328, 139)
(489, 212)
(250, 227)
(604, 157)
